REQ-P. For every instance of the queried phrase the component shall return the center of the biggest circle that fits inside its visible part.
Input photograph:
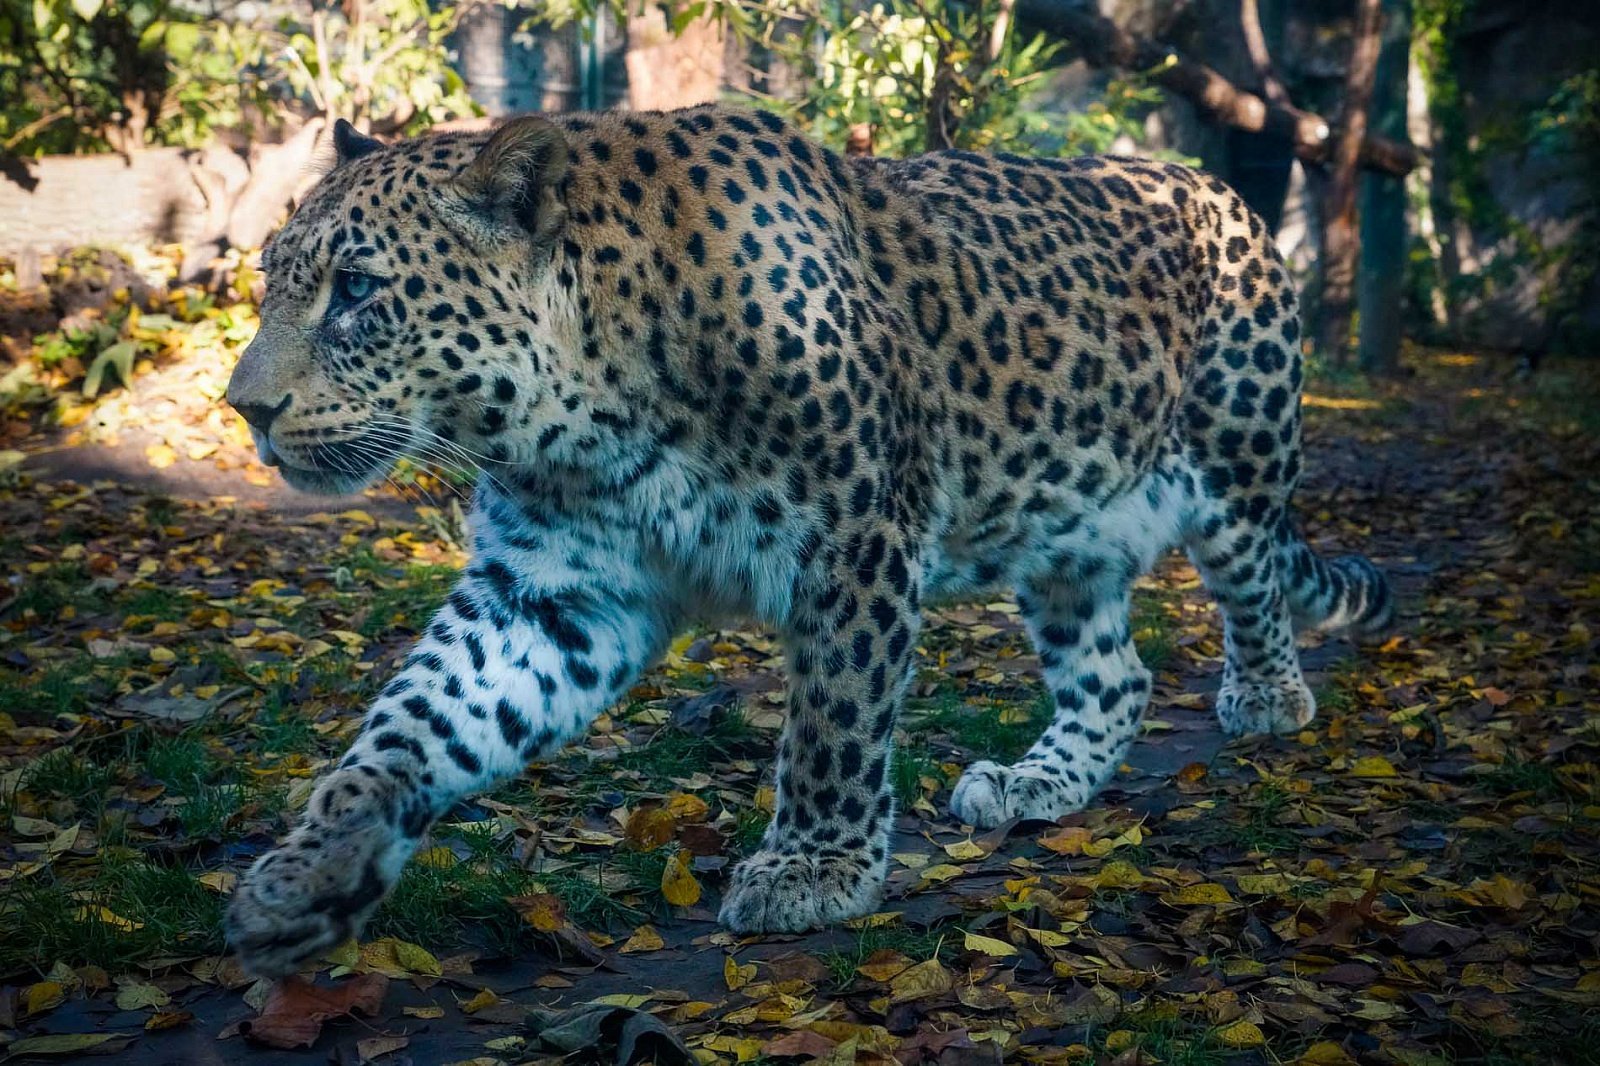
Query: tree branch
(1105, 44)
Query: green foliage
(927, 74)
(378, 60)
(1565, 128)
(92, 75)
(88, 75)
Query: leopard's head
(402, 314)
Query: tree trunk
(1341, 244)
(1105, 44)
(1380, 290)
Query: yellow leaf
(484, 998)
(1119, 1040)
(438, 857)
(220, 881)
(989, 945)
(735, 975)
(1101, 848)
(934, 875)
(162, 655)
(1242, 1035)
(964, 851)
(43, 996)
(426, 1013)
(1263, 884)
(644, 938)
(59, 1044)
(161, 456)
(1119, 874)
(922, 981)
(1373, 766)
(649, 828)
(1512, 895)
(416, 959)
(542, 910)
(137, 996)
(1324, 1053)
(687, 808)
(678, 884)
(744, 1049)
(109, 917)
(631, 1000)
(1207, 892)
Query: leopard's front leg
(538, 637)
(824, 856)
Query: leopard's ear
(510, 192)
(350, 143)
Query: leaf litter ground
(1411, 880)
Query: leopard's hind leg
(1099, 689)
(1241, 431)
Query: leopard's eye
(352, 286)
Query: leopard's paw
(989, 794)
(319, 888)
(779, 892)
(1264, 706)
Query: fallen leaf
(295, 1010)
(678, 884)
(988, 945)
(644, 938)
(735, 975)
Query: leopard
(707, 370)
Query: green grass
(406, 601)
(1262, 810)
(281, 728)
(1535, 781)
(918, 945)
(155, 602)
(49, 920)
(59, 586)
(1339, 692)
(750, 825)
(47, 693)
(1177, 1042)
(911, 764)
(979, 730)
(671, 753)
(1153, 621)
(464, 904)
(66, 774)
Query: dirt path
(1411, 880)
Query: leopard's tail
(1346, 593)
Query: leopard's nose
(260, 415)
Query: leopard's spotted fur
(709, 367)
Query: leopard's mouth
(333, 468)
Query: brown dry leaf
(649, 828)
(542, 910)
(922, 981)
(1068, 840)
(375, 1047)
(295, 1010)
